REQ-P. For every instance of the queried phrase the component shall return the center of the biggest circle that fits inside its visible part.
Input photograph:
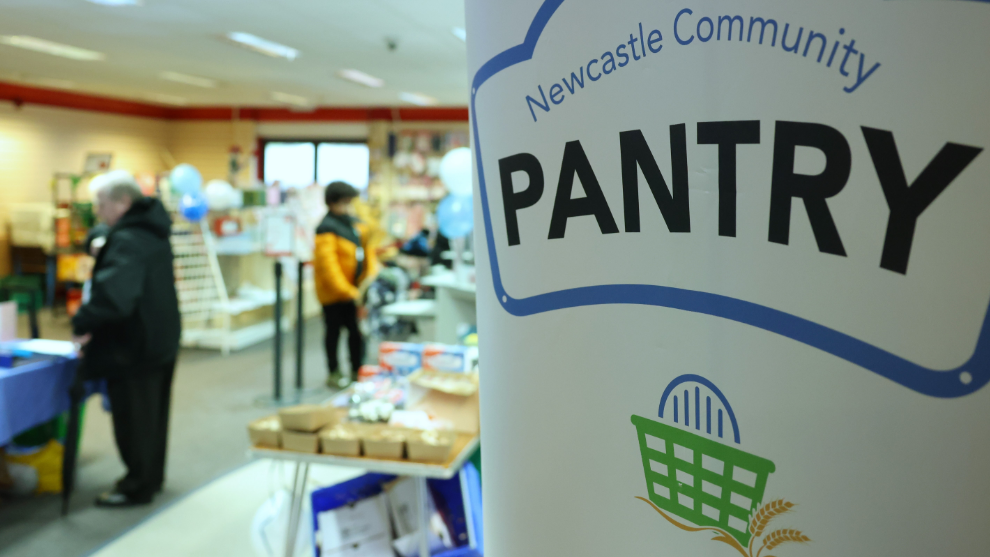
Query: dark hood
(147, 213)
(341, 225)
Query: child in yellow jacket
(342, 261)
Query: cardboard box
(430, 446)
(385, 442)
(300, 441)
(445, 357)
(307, 417)
(266, 432)
(341, 440)
(400, 358)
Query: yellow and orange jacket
(342, 258)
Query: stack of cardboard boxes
(450, 400)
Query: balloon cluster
(455, 214)
(187, 182)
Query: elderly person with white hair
(129, 331)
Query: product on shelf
(400, 358)
(444, 357)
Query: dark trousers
(140, 408)
(337, 317)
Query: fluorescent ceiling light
(290, 99)
(166, 99)
(460, 33)
(418, 99)
(189, 79)
(263, 46)
(361, 78)
(117, 2)
(49, 47)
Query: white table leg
(423, 494)
(299, 478)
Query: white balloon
(218, 195)
(456, 171)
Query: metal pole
(300, 328)
(295, 506)
(278, 331)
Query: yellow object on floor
(48, 462)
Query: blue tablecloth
(33, 393)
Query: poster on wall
(733, 279)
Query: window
(300, 163)
(343, 161)
(291, 164)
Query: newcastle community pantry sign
(744, 245)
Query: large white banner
(733, 276)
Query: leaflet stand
(279, 232)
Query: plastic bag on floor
(270, 523)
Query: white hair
(118, 184)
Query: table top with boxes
(432, 434)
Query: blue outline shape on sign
(952, 383)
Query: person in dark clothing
(129, 332)
(343, 260)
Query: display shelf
(207, 309)
(242, 244)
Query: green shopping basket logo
(692, 476)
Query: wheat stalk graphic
(757, 526)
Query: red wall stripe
(21, 94)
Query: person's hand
(81, 340)
(362, 312)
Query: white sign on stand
(280, 232)
(732, 277)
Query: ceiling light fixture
(460, 33)
(49, 47)
(117, 2)
(166, 99)
(361, 78)
(186, 79)
(263, 46)
(294, 100)
(418, 99)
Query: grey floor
(214, 397)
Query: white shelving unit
(207, 311)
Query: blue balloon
(186, 179)
(455, 216)
(193, 206)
